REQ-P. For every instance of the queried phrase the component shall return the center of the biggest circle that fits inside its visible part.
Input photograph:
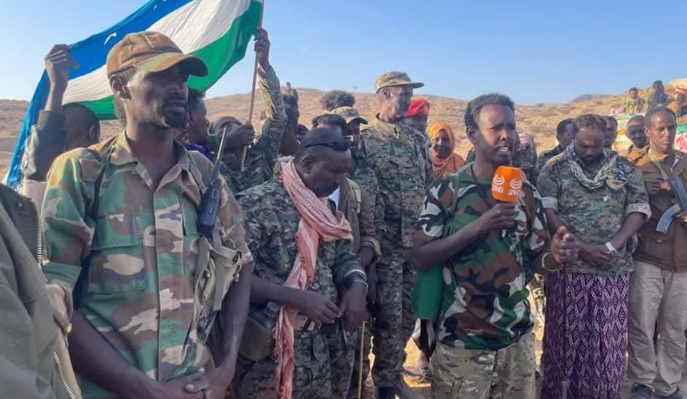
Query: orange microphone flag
(507, 184)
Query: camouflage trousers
(315, 376)
(393, 322)
(481, 374)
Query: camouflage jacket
(367, 180)
(355, 204)
(262, 156)
(399, 157)
(146, 289)
(545, 156)
(594, 216)
(271, 223)
(484, 301)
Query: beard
(174, 119)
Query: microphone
(506, 185)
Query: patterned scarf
(317, 222)
(610, 173)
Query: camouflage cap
(395, 78)
(350, 114)
(151, 52)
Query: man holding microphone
(488, 250)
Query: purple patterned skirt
(594, 329)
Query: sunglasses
(338, 146)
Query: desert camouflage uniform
(479, 321)
(398, 155)
(545, 156)
(271, 225)
(262, 156)
(145, 281)
(485, 374)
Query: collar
(122, 153)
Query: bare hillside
(540, 120)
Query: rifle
(680, 196)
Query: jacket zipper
(59, 370)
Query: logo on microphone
(507, 184)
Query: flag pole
(244, 153)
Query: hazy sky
(533, 50)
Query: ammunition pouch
(218, 267)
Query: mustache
(175, 99)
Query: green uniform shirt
(484, 301)
(594, 216)
(144, 247)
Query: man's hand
(177, 389)
(262, 49)
(682, 216)
(500, 217)
(353, 306)
(653, 186)
(317, 307)
(596, 255)
(241, 136)
(210, 385)
(57, 64)
(564, 246)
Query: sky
(536, 51)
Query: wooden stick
(244, 153)
(360, 365)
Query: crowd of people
(189, 258)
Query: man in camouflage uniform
(121, 228)
(364, 175)
(564, 134)
(263, 152)
(600, 197)
(398, 155)
(488, 248)
(332, 304)
(356, 205)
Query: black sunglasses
(338, 146)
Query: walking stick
(244, 153)
(360, 366)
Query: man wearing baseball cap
(398, 155)
(121, 230)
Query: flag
(216, 31)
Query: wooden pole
(244, 153)
(360, 364)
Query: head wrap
(451, 163)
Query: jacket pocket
(117, 264)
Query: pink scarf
(317, 222)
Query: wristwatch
(611, 248)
